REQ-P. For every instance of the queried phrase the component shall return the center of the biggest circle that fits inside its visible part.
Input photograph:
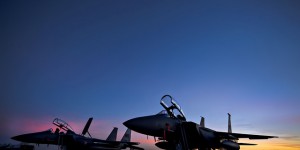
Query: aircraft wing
(128, 143)
(240, 135)
(135, 148)
(114, 142)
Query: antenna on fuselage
(229, 123)
(202, 122)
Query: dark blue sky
(113, 60)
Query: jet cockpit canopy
(62, 124)
(172, 107)
(163, 112)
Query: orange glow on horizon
(272, 144)
(269, 144)
(23, 126)
(146, 141)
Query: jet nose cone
(137, 124)
(130, 123)
(17, 138)
(148, 125)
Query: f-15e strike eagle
(72, 141)
(175, 133)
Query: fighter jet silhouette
(72, 141)
(174, 132)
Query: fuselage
(70, 140)
(44, 137)
(161, 124)
(153, 125)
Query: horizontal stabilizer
(246, 144)
(241, 135)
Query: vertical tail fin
(202, 122)
(229, 123)
(127, 136)
(113, 135)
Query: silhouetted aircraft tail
(202, 122)
(127, 136)
(87, 126)
(113, 135)
(229, 123)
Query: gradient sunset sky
(114, 60)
